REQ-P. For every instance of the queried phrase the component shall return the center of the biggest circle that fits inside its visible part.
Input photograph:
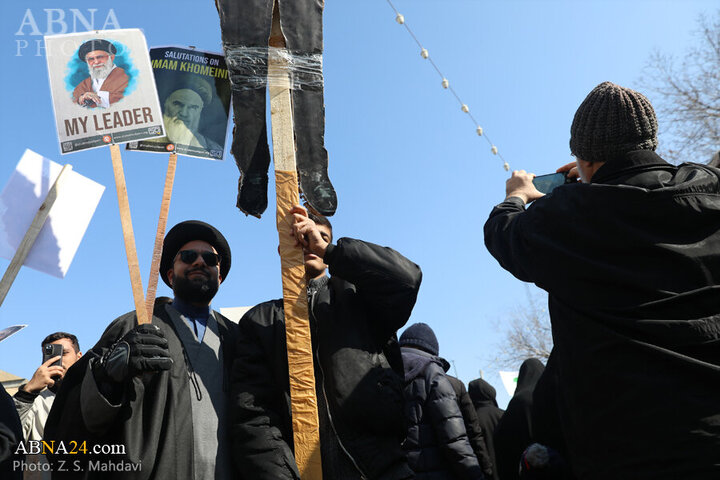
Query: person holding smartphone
(630, 258)
(34, 399)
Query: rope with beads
(399, 18)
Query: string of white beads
(400, 19)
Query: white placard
(65, 226)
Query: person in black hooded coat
(513, 434)
(476, 434)
(437, 443)
(488, 414)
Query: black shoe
(318, 191)
(253, 166)
(252, 194)
(312, 157)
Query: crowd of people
(629, 255)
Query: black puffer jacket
(437, 444)
(476, 434)
(354, 318)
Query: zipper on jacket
(322, 387)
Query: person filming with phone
(34, 399)
(630, 258)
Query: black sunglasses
(189, 256)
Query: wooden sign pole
(160, 234)
(306, 431)
(129, 236)
(31, 235)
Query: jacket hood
(416, 361)
(530, 372)
(646, 169)
(444, 364)
(482, 393)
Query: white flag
(509, 380)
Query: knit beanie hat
(421, 336)
(611, 121)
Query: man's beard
(179, 133)
(196, 290)
(101, 72)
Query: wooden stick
(306, 430)
(160, 234)
(31, 235)
(129, 236)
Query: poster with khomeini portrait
(103, 89)
(194, 91)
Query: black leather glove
(142, 349)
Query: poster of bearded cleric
(103, 89)
(194, 91)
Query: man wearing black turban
(159, 390)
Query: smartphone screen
(546, 183)
(53, 350)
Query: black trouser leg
(245, 27)
(247, 24)
(301, 22)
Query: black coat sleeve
(387, 281)
(507, 233)
(151, 413)
(261, 441)
(10, 437)
(79, 409)
(446, 418)
(9, 441)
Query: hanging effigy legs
(245, 29)
(301, 21)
